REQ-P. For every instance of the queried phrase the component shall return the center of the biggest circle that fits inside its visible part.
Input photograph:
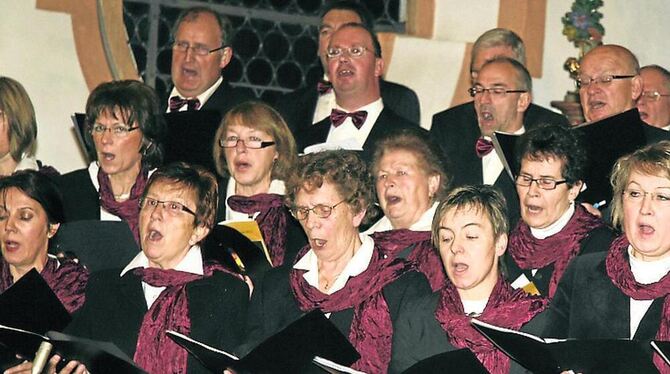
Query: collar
(555, 227)
(191, 263)
(27, 163)
(203, 97)
(276, 187)
(357, 264)
(647, 272)
(425, 222)
(375, 106)
(666, 128)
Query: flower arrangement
(582, 25)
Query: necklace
(330, 283)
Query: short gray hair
(500, 37)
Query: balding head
(654, 103)
(599, 98)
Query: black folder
(663, 349)
(288, 351)
(30, 304)
(552, 356)
(96, 244)
(235, 251)
(98, 357)
(461, 361)
(190, 137)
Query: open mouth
(596, 104)
(460, 267)
(345, 73)
(646, 229)
(11, 245)
(108, 156)
(190, 73)
(392, 200)
(154, 235)
(242, 166)
(533, 208)
(318, 243)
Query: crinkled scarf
(371, 330)
(532, 253)
(506, 308)
(618, 269)
(128, 210)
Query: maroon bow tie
(337, 117)
(177, 102)
(324, 87)
(483, 147)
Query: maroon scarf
(128, 210)
(532, 253)
(618, 269)
(371, 330)
(155, 352)
(67, 281)
(272, 220)
(424, 256)
(506, 308)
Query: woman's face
(251, 168)
(404, 188)
(539, 207)
(118, 154)
(167, 231)
(25, 230)
(470, 252)
(646, 215)
(332, 236)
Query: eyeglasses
(542, 182)
(198, 49)
(494, 91)
(356, 51)
(119, 131)
(638, 196)
(252, 143)
(585, 82)
(652, 95)
(321, 211)
(173, 208)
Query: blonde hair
(19, 113)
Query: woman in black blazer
(341, 272)
(623, 293)
(167, 286)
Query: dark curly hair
(343, 169)
(555, 141)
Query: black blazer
(588, 305)
(418, 335)
(456, 130)
(386, 122)
(596, 241)
(297, 107)
(81, 201)
(273, 305)
(115, 307)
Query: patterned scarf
(506, 308)
(371, 330)
(618, 269)
(532, 253)
(67, 281)
(272, 220)
(128, 210)
(423, 255)
(156, 353)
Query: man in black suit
(201, 49)
(360, 117)
(457, 129)
(311, 104)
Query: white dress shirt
(203, 97)
(424, 223)
(348, 134)
(191, 263)
(324, 105)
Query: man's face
(654, 103)
(502, 112)
(330, 23)
(355, 79)
(485, 55)
(600, 100)
(193, 74)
